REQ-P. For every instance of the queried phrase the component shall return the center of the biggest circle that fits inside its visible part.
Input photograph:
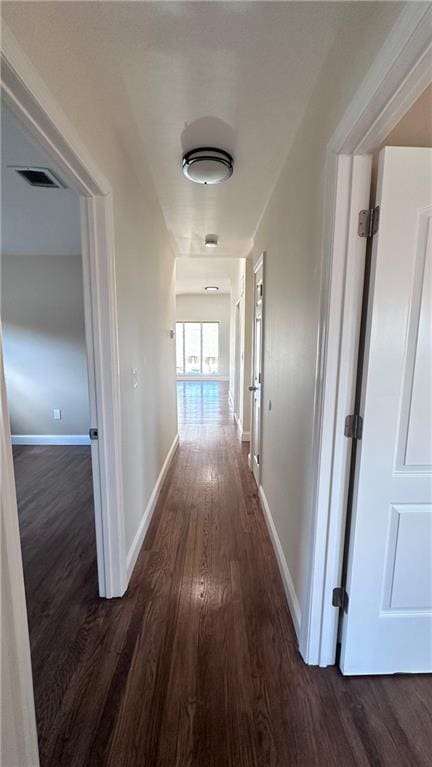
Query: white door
(388, 625)
(256, 387)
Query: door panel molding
(412, 412)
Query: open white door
(388, 625)
(256, 387)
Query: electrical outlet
(57, 414)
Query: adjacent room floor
(197, 666)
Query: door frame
(398, 76)
(260, 263)
(237, 361)
(26, 94)
(28, 97)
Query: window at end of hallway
(197, 348)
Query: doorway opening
(209, 340)
(44, 124)
(49, 394)
(355, 155)
(390, 486)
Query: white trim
(244, 436)
(398, 75)
(50, 439)
(101, 316)
(27, 95)
(21, 740)
(260, 263)
(201, 378)
(146, 518)
(288, 584)
(230, 400)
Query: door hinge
(93, 434)
(368, 222)
(258, 459)
(353, 426)
(340, 598)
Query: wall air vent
(39, 177)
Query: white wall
(291, 234)
(34, 220)
(44, 344)
(144, 264)
(209, 308)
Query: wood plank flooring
(197, 666)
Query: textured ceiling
(193, 274)
(176, 75)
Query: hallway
(197, 666)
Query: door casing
(255, 467)
(398, 76)
(237, 360)
(372, 612)
(26, 95)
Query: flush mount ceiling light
(207, 165)
(211, 289)
(211, 241)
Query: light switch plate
(57, 414)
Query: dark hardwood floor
(197, 666)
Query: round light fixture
(207, 165)
(211, 289)
(211, 241)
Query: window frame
(200, 323)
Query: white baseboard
(244, 436)
(137, 542)
(202, 378)
(50, 439)
(287, 580)
(230, 400)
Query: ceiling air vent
(39, 177)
